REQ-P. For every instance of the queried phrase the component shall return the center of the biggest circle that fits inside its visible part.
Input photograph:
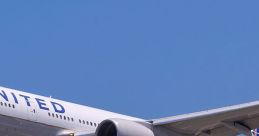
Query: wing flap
(245, 115)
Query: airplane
(26, 114)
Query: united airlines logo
(43, 105)
(255, 132)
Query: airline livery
(25, 114)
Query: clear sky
(145, 58)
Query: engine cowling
(120, 127)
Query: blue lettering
(14, 97)
(42, 104)
(3, 94)
(58, 107)
(26, 99)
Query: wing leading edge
(227, 121)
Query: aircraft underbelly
(17, 127)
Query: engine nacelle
(120, 127)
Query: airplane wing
(227, 121)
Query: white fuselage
(23, 114)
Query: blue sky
(145, 58)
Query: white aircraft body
(25, 114)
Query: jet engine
(120, 127)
